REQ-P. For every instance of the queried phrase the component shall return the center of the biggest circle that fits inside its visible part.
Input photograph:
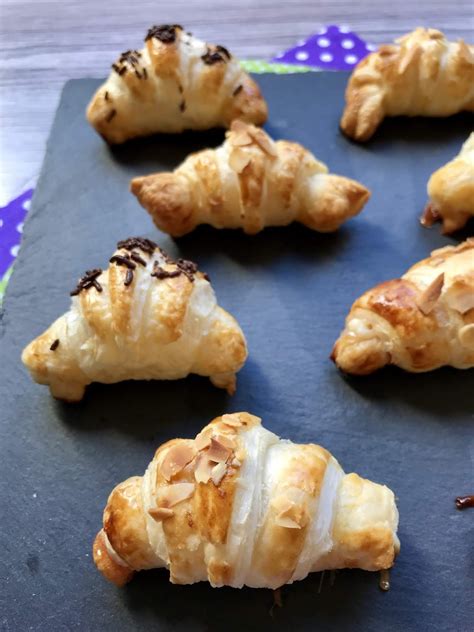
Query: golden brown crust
(451, 191)
(416, 322)
(422, 74)
(166, 87)
(249, 182)
(145, 317)
(185, 513)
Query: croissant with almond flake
(249, 182)
(420, 322)
(451, 191)
(175, 82)
(237, 506)
(422, 74)
(144, 318)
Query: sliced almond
(227, 441)
(174, 494)
(231, 420)
(236, 463)
(263, 141)
(160, 513)
(202, 440)
(203, 470)
(176, 459)
(241, 138)
(287, 522)
(218, 473)
(239, 159)
(427, 300)
(217, 451)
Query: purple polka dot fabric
(331, 48)
(12, 217)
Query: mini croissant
(451, 191)
(144, 318)
(249, 182)
(237, 506)
(176, 82)
(419, 322)
(422, 74)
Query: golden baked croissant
(419, 322)
(237, 506)
(422, 74)
(144, 318)
(249, 182)
(176, 82)
(451, 191)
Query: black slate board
(290, 289)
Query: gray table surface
(45, 43)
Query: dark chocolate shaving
(136, 257)
(110, 115)
(189, 268)
(106, 95)
(463, 502)
(88, 280)
(145, 74)
(55, 345)
(161, 273)
(146, 245)
(123, 261)
(237, 90)
(116, 68)
(122, 70)
(128, 277)
(206, 277)
(219, 54)
(182, 106)
(166, 33)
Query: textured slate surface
(290, 290)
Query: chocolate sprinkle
(55, 345)
(206, 277)
(122, 70)
(106, 95)
(166, 33)
(220, 54)
(145, 74)
(463, 502)
(88, 280)
(189, 268)
(146, 245)
(123, 261)
(116, 68)
(128, 277)
(237, 90)
(182, 106)
(161, 273)
(136, 257)
(110, 115)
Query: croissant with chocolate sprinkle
(237, 506)
(420, 322)
(249, 182)
(174, 83)
(146, 317)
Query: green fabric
(259, 67)
(250, 65)
(4, 281)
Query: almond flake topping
(240, 138)
(430, 295)
(236, 462)
(286, 521)
(226, 441)
(161, 513)
(174, 494)
(285, 517)
(263, 141)
(203, 439)
(239, 159)
(218, 473)
(217, 451)
(203, 470)
(231, 420)
(176, 459)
